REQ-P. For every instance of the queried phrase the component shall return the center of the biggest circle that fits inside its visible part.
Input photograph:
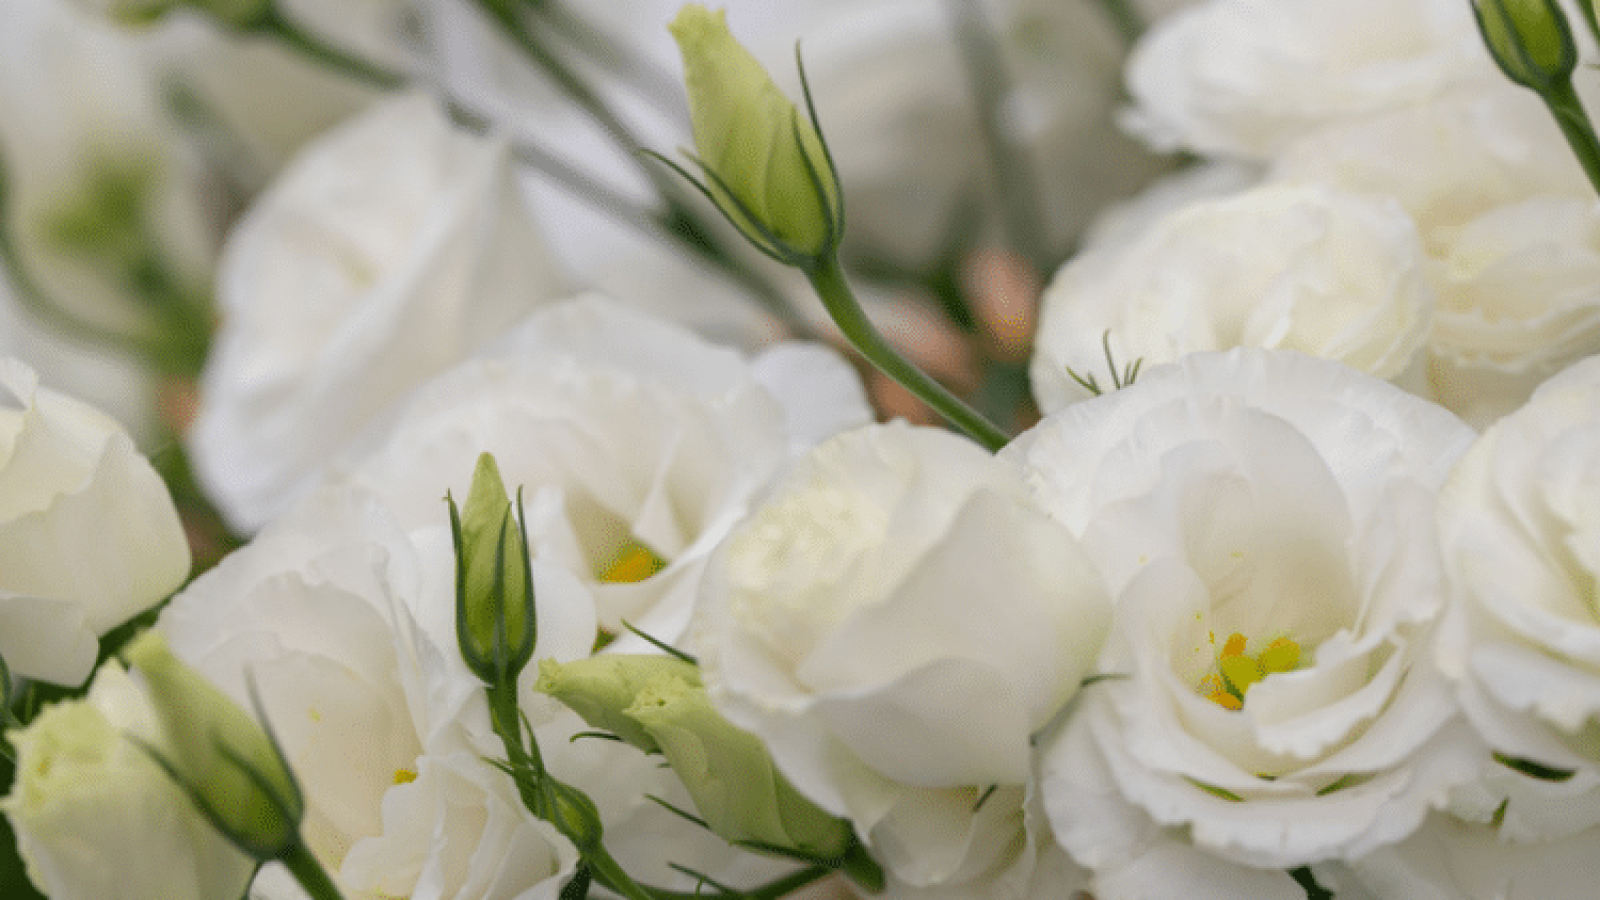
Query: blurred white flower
(1309, 268)
(1265, 522)
(893, 575)
(103, 201)
(1520, 523)
(1510, 226)
(390, 249)
(1245, 78)
(1449, 859)
(89, 536)
(97, 819)
(346, 623)
(637, 445)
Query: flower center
(633, 562)
(1237, 671)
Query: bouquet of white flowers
(1182, 481)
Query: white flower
(1449, 859)
(1520, 522)
(1265, 521)
(892, 576)
(1510, 225)
(1326, 272)
(346, 624)
(388, 251)
(88, 533)
(637, 445)
(1247, 77)
(95, 172)
(97, 819)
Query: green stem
(274, 23)
(1568, 111)
(306, 870)
(1013, 170)
(828, 279)
(1125, 17)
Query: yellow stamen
(1282, 655)
(404, 776)
(632, 563)
(1236, 671)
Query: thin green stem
(306, 870)
(1575, 125)
(1127, 19)
(1013, 170)
(827, 278)
(273, 22)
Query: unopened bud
(600, 688)
(219, 755)
(765, 164)
(1529, 40)
(495, 621)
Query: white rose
(637, 445)
(89, 537)
(387, 252)
(893, 575)
(1265, 521)
(1329, 273)
(1520, 522)
(97, 819)
(1510, 225)
(347, 625)
(1245, 78)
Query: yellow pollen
(634, 562)
(404, 776)
(1236, 671)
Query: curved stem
(828, 279)
(273, 22)
(1575, 126)
(309, 873)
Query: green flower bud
(495, 622)
(220, 756)
(731, 777)
(1529, 40)
(600, 688)
(766, 166)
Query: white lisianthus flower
(97, 819)
(893, 575)
(89, 536)
(346, 624)
(1520, 522)
(1510, 226)
(637, 445)
(1246, 78)
(1451, 859)
(1329, 273)
(1265, 522)
(95, 173)
(389, 250)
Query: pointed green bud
(1530, 41)
(220, 756)
(765, 164)
(600, 688)
(730, 775)
(495, 622)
